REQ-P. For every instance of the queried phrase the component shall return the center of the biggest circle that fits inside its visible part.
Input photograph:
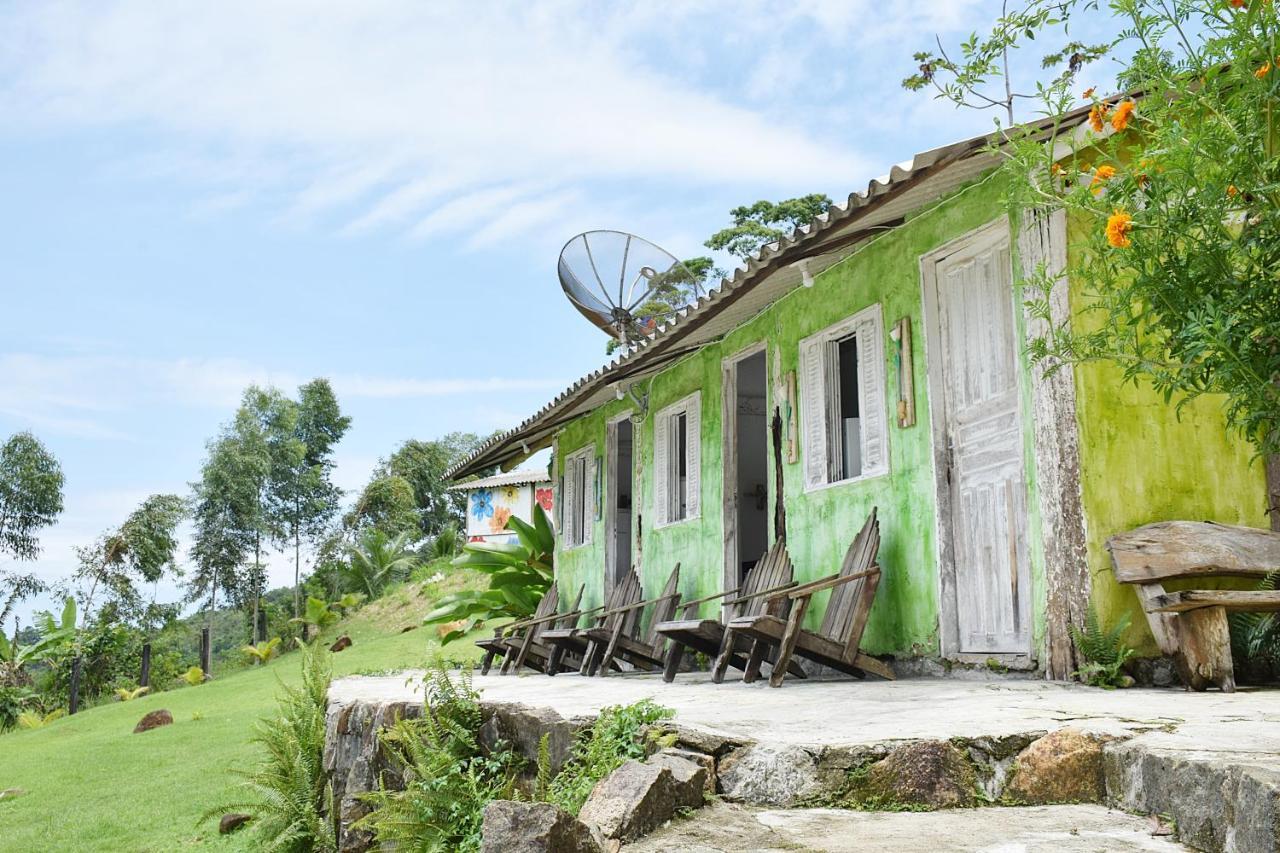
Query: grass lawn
(94, 785)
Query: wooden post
(262, 626)
(779, 506)
(206, 653)
(75, 684)
(144, 678)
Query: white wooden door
(984, 448)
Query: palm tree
(377, 561)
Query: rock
(932, 773)
(514, 827)
(343, 642)
(231, 822)
(407, 628)
(12, 794)
(1062, 767)
(690, 774)
(521, 728)
(768, 775)
(154, 720)
(354, 763)
(634, 800)
(704, 740)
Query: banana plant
(317, 616)
(519, 575)
(125, 694)
(55, 637)
(262, 652)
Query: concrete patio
(1210, 761)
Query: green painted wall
(821, 523)
(1140, 463)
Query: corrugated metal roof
(764, 279)
(511, 478)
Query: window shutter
(661, 469)
(570, 513)
(588, 498)
(871, 372)
(693, 458)
(813, 418)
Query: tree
(31, 484)
(423, 466)
(765, 222)
(1179, 191)
(226, 516)
(138, 553)
(386, 504)
(378, 560)
(303, 498)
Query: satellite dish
(624, 284)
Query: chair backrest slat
(625, 592)
(570, 617)
(546, 607)
(665, 608)
(850, 603)
(772, 570)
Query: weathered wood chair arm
(771, 592)
(615, 610)
(554, 617)
(806, 590)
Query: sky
(195, 197)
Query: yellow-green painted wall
(1141, 463)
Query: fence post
(144, 678)
(75, 684)
(262, 626)
(206, 653)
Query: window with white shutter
(677, 461)
(578, 513)
(842, 401)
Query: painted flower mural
(482, 504)
(543, 497)
(499, 521)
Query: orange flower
(1119, 224)
(1239, 4)
(1100, 176)
(1232, 191)
(1055, 169)
(1088, 93)
(1262, 71)
(1122, 117)
(1097, 116)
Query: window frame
(578, 478)
(666, 462)
(866, 327)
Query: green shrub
(1255, 639)
(1104, 653)
(449, 777)
(288, 793)
(13, 701)
(615, 737)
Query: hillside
(93, 785)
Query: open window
(843, 401)
(677, 460)
(578, 487)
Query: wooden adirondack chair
(835, 644)
(567, 640)
(771, 574)
(618, 632)
(519, 643)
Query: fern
(1255, 637)
(194, 676)
(542, 782)
(613, 738)
(1103, 651)
(36, 720)
(288, 793)
(448, 777)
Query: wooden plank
(789, 639)
(1184, 549)
(1204, 657)
(1164, 627)
(1232, 600)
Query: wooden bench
(1191, 625)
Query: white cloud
(81, 395)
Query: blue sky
(194, 197)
